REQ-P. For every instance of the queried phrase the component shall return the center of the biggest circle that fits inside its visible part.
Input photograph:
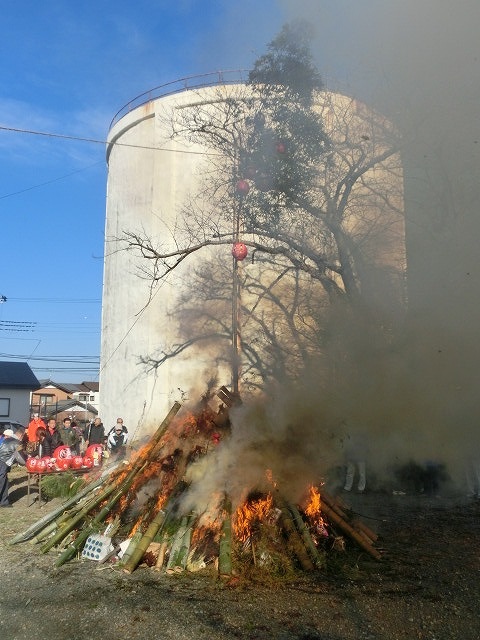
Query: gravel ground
(426, 586)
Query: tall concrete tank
(150, 176)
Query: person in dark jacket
(95, 433)
(53, 437)
(43, 446)
(9, 454)
(69, 436)
(79, 432)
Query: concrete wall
(147, 182)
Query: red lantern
(242, 187)
(64, 463)
(62, 452)
(280, 147)
(48, 467)
(239, 251)
(95, 452)
(41, 466)
(87, 462)
(31, 464)
(77, 462)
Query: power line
(43, 184)
(95, 360)
(49, 134)
(67, 370)
(58, 300)
(94, 141)
(80, 139)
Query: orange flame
(135, 527)
(250, 513)
(314, 506)
(313, 511)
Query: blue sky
(66, 68)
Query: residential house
(17, 382)
(66, 399)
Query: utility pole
(239, 252)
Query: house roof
(89, 386)
(70, 387)
(17, 375)
(74, 405)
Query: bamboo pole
(134, 540)
(47, 519)
(350, 531)
(362, 527)
(82, 537)
(148, 513)
(317, 558)
(364, 536)
(72, 522)
(346, 512)
(361, 530)
(142, 545)
(225, 547)
(177, 560)
(44, 533)
(175, 546)
(161, 555)
(155, 441)
(296, 543)
(132, 470)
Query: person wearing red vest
(33, 425)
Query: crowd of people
(40, 440)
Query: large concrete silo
(150, 177)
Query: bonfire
(140, 510)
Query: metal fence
(230, 76)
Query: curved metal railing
(230, 76)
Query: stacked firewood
(139, 503)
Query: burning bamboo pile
(137, 510)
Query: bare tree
(311, 182)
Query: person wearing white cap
(9, 454)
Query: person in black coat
(95, 433)
(10, 446)
(53, 438)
